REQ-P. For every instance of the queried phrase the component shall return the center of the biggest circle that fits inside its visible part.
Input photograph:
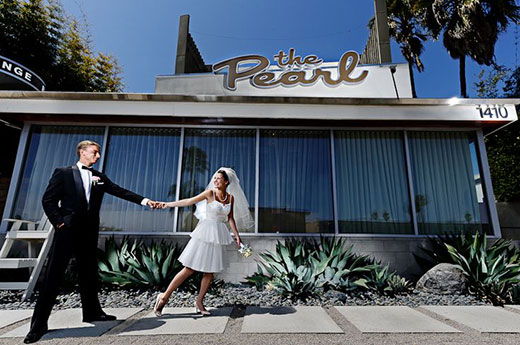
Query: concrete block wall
(240, 267)
(396, 252)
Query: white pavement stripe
(392, 319)
(180, 321)
(288, 320)
(8, 317)
(67, 323)
(486, 319)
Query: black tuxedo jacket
(64, 200)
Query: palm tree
(195, 162)
(470, 28)
(406, 30)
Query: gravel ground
(240, 296)
(232, 295)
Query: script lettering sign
(294, 70)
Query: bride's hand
(238, 240)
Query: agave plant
(193, 284)
(293, 269)
(258, 279)
(376, 280)
(300, 283)
(384, 282)
(345, 267)
(398, 285)
(299, 269)
(492, 271)
(154, 265)
(436, 252)
(134, 263)
(514, 294)
(113, 267)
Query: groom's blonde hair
(82, 145)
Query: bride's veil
(241, 213)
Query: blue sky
(143, 36)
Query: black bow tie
(87, 168)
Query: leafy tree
(406, 29)
(38, 35)
(107, 74)
(503, 147)
(512, 84)
(469, 28)
(489, 83)
(29, 34)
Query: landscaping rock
(443, 279)
(336, 295)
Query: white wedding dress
(205, 252)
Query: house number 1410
(492, 111)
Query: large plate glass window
(206, 150)
(372, 190)
(295, 193)
(49, 147)
(447, 184)
(143, 160)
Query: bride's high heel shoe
(156, 309)
(201, 312)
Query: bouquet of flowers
(245, 250)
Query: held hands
(162, 204)
(157, 205)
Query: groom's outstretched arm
(120, 192)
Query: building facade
(321, 149)
(384, 172)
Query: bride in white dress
(205, 252)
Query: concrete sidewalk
(279, 325)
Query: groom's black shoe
(101, 317)
(34, 335)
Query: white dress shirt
(86, 177)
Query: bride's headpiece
(241, 213)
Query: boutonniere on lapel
(96, 181)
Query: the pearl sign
(292, 70)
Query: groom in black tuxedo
(71, 202)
